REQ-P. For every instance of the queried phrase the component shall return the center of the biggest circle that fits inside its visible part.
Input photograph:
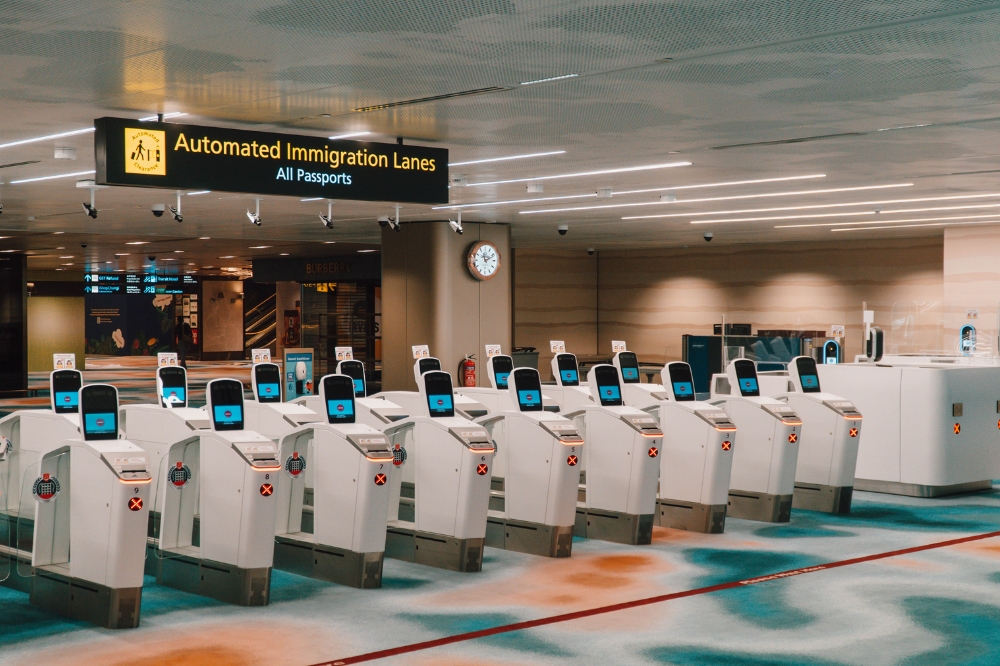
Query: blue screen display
(610, 393)
(748, 385)
(683, 389)
(67, 399)
(340, 409)
(502, 379)
(269, 390)
(439, 404)
(173, 395)
(809, 381)
(359, 387)
(568, 375)
(630, 373)
(228, 414)
(529, 397)
(100, 423)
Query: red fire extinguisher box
(467, 370)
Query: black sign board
(138, 283)
(319, 269)
(187, 157)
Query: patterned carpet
(935, 607)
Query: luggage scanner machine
(226, 476)
(541, 454)
(78, 507)
(450, 460)
(622, 466)
(351, 463)
(763, 476)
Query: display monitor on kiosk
(172, 384)
(225, 400)
(267, 382)
(356, 371)
(569, 374)
(608, 388)
(440, 402)
(428, 364)
(502, 367)
(681, 382)
(64, 387)
(337, 392)
(99, 411)
(746, 375)
(808, 377)
(629, 364)
(529, 389)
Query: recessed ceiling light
(169, 259)
(207, 267)
(367, 251)
(137, 243)
(178, 251)
(917, 219)
(60, 248)
(205, 238)
(69, 264)
(551, 78)
(191, 264)
(852, 214)
(511, 157)
(147, 265)
(284, 254)
(228, 256)
(191, 194)
(68, 256)
(121, 254)
(259, 247)
(47, 137)
(61, 175)
(579, 174)
(329, 242)
(899, 127)
(54, 233)
(148, 119)
(119, 270)
(912, 226)
(107, 262)
(348, 135)
(312, 199)
(60, 269)
(6, 251)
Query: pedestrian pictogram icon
(653, 452)
(267, 489)
(958, 428)
(854, 432)
(134, 503)
(571, 461)
(380, 479)
(727, 445)
(482, 469)
(792, 438)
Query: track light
(255, 217)
(327, 219)
(456, 225)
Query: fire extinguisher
(467, 369)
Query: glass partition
(931, 328)
(43, 513)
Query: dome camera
(708, 236)
(158, 210)
(591, 251)
(563, 229)
(151, 257)
(83, 245)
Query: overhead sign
(319, 269)
(187, 157)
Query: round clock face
(484, 260)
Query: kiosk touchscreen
(565, 370)
(64, 387)
(569, 393)
(267, 382)
(449, 473)
(621, 463)
(414, 403)
(356, 371)
(171, 386)
(500, 367)
(351, 463)
(266, 413)
(374, 411)
(763, 476)
(541, 457)
(680, 382)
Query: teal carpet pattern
(935, 607)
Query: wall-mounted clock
(484, 260)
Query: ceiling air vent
(434, 98)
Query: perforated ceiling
(871, 92)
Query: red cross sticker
(482, 469)
(727, 445)
(571, 461)
(266, 489)
(958, 428)
(380, 479)
(653, 452)
(134, 503)
(792, 438)
(854, 432)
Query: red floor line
(600, 610)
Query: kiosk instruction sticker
(261, 356)
(64, 361)
(557, 346)
(166, 359)
(421, 351)
(344, 353)
(493, 350)
(618, 346)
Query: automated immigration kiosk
(569, 392)
(763, 476)
(224, 478)
(697, 455)
(622, 464)
(375, 411)
(449, 467)
(351, 463)
(77, 507)
(412, 402)
(266, 413)
(541, 455)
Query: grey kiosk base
(403, 542)
(817, 497)
(691, 516)
(184, 569)
(918, 490)
(628, 528)
(51, 588)
(522, 536)
(762, 507)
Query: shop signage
(189, 157)
(319, 269)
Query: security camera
(563, 229)
(254, 219)
(177, 214)
(152, 257)
(591, 251)
(386, 221)
(1, 209)
(327, 222)
(83, 245)
(708, 236)
(90, 210)
(456, 227)
(158, 210)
